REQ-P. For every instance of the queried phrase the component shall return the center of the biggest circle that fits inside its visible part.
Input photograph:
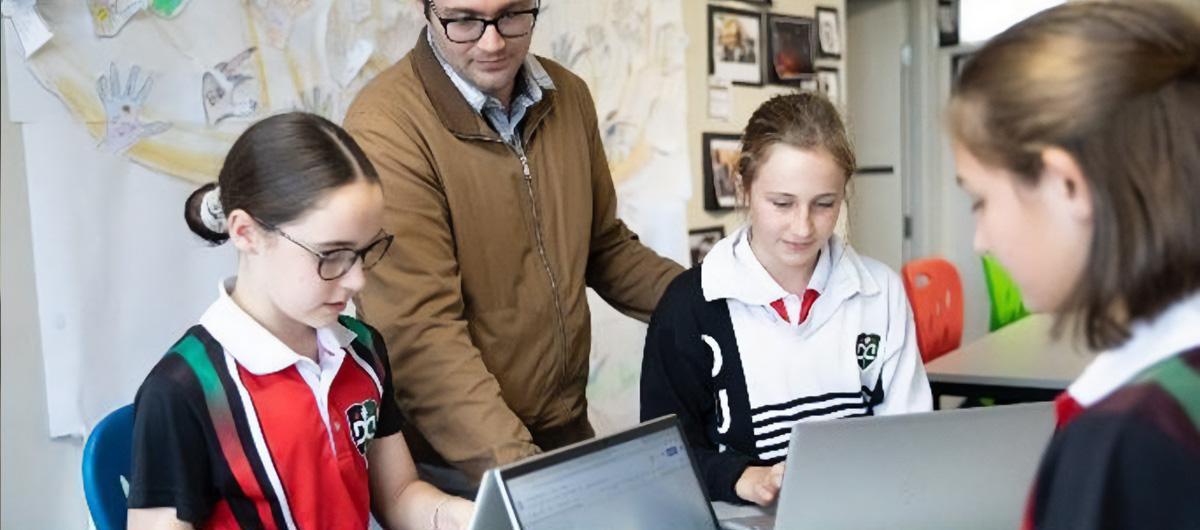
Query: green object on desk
(1004, 295)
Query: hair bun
(211, 212)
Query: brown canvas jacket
(482, 298)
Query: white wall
(40, 478)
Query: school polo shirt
(234, 430)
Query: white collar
(252, 346)
(731, 270)
(1174, 331)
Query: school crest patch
(362, 419)
(866, 349)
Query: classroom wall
(745, 99)
(40, 478)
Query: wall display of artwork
(829, 33)
(829, 83)
(790, 42)
(735, 45)
(701, 240)
(720, 170)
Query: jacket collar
(452, 108)
(730, 270)
(253, 346)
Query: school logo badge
(866, 349)
(362, 419)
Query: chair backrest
(935, 292)
(1005, 296)
(106, 463)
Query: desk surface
(1022, 354)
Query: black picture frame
(765, 3)
(735, 49)
(701, 240)
(829, 82)
(720, 151)
(948, 18)
(829, 33)
(791, 42)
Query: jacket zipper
(537, 230)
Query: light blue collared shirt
(506, 123)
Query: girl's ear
(1065, 184)
(245, 233)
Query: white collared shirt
(1174, 331)
(260, 352)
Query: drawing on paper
(123, 107)
(228, 91)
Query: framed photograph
(701, 240)
(790, 46)
(756, 2)
(947, 22)
(829, 83)
(735, 45)
(829, 33)
(720, 170)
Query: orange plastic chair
(935, 292)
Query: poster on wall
(735, 45)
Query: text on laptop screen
(644, 483)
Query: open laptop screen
(643, 478)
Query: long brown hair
(1116, 85)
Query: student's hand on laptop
(760, 484)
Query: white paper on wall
(110, 16)
(29, 26)
(119, 275)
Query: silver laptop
(966, 468)
(642, 478)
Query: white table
(1019, 362)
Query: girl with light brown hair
(783, 322)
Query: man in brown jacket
(503, 208)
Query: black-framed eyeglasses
(510, 25)
(333, 264)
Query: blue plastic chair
(106, 460)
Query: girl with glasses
(275, 410)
